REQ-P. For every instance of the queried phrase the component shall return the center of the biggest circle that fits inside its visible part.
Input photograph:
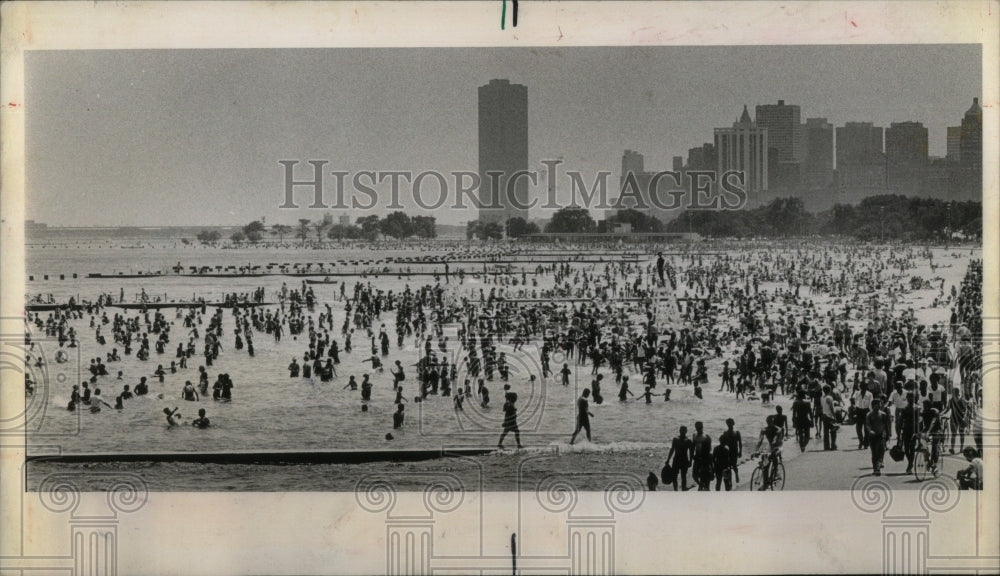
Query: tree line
(397, 225)
(876, 218)
(884, 217)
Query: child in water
(171, 414)
(648, 395)
(397, 418)
(201, 421)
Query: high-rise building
(860, 160)
(634, 181)
(782, 122)
(970, 179)
(702, 157)
(971, 138)
(817, 165)
(906, 156)
(941, 179)
(632, 162)
(635, 188)
(344, 220)
(785, 142)
(954, 152)
(503, 150)
(743, 148)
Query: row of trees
(516, 227)
(886, 217)
(565, 220)
(396, 225)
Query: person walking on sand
(679, 458)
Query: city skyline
(198, 135)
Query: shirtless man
(583, 416)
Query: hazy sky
(193, 137)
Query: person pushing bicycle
(774, 437)
(931, 426)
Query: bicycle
(945, 427)
(925, 457)
(777, 472)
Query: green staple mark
(503, 14)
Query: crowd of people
(819, 326)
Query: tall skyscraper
(954, 143)
(634, 181)
(785, 140)
(503, 150)
(906, 156)
(817, 166)
(782, 122)
(971, 153)
(971, 143)
(743, 148)
(860, 160)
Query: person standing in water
(624, 392)
(397, 418)
(595, 385)
(202, 420)
(189, 392)
(96, 401)
(565, 374)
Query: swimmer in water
(647, 395)
(352, 384)
(201, 421)
(189, 392)
(171, 414)
(96, 401)
(397, 418)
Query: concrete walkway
(816, 469)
